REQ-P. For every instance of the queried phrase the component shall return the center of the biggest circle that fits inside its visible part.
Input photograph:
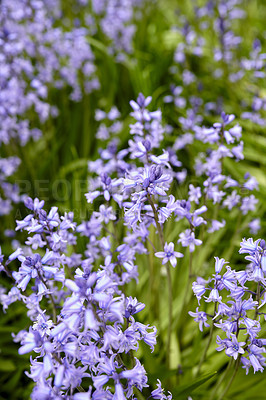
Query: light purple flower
(187, 239)
(169, 254)
(234, 348)
(200, 317)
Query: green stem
(190, 267)
(159, 228)
(169, 282)
(170, 313)
(205, 350)
(257, 299)
(154, 295)
(208, 344)
(53, 308)
(231, 379)
(236, 232)
(221, 379)
(80, 389)
(51, 298)
(187, 292)
(138, 393)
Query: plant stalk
(169, 281)
(231, 379)
(208, 344)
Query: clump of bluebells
(85, 331)
(9, 192)
(237, 298)
(39, 54)
(83, 325)
(214, 26)
(116, 20)
(36, 54)
(139, 178)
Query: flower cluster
(237, 297)
(9, 193)
(116, 21)
(139, 178)
(228, 67)
(154, 195)
(83, 326)
(34, 54)
(219, 187)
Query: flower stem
(169, 281)
(257, 299)
(53, 305)
(53, 308)
(231, 379)
(221, 379)
(170, 312)
(190, 266)
(207, 345)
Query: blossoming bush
(160, 164)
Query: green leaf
(7, 365)
(73, 166)
(186, 390)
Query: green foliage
(62, 154)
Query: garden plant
(132, 199)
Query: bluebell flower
(222, 343)
(133, 306)
(187, 239)
(248, 204)
(234, 348)
(34, 205)
(159, 392)
(136, 376)
(214, 296)
(151, 179)
(105, 214)
(169, 255)
(219, 263)
(24, 223)
(148, 334)
(194, 193)
(16, 254)
(256, 359)
(83, 395)
(41, 390)
(232, 200)
(200, 317)
(106, 370)
(237, 151)
(140, 113)
(216, 226)
(38, 371)
(43, 325)
(35, 241)
(249, 246)
(255, 226)
(139, 148)
(165, 212)
(251, 183)
(31, 341)
(199, 288)
(119, 392)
